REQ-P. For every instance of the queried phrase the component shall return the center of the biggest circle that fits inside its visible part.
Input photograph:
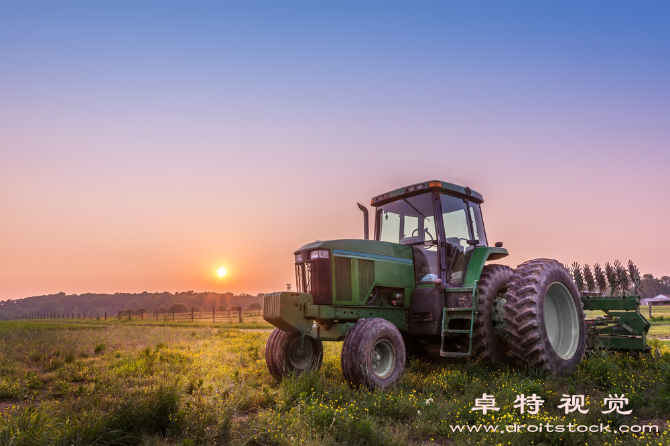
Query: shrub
(179, 308)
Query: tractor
(426, 281)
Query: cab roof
(440, 186)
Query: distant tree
(260, 295)
(234, 307)
(196, 308)
(162, 309)
(179, 308)
(133, 303)
(652, 287)
(221, 308)
(76, 310)
(254, 306)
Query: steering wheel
(432, 239)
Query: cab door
(458, 237)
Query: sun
(221, 272)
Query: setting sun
(221, 272)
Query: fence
(191, 316)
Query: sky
(144, 145)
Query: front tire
(545, 317)
(286, 352)
(373, 354)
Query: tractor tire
(373, 354)
(489, 327)
(269, 357)
(284, 355)
(545, 317)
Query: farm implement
(622, 327)
(424, 283)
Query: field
(114, 382)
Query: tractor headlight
(319, 254)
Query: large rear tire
(373, 354)
(489, 328)
(545, 317)
(287, 353)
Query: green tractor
(424, 283)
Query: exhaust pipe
(366, 234)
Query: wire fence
(159, 316)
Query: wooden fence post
(129, 318)
(142, 312)
(191, 314)
(105, 315)
(213, 315)
(173, 315)
(239, 314)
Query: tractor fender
(480, 255)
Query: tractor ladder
(458, 324)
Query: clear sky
(145, 144)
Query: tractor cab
(443, 224)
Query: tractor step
(464, 317)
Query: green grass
(134, 382)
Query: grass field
(156, 383)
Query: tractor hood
(364, 248)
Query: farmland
(185, 383)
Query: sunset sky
(144, 145)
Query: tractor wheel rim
(300, 357)
(382, 358)
(561, 321)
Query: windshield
(408, 220)
(411, 221)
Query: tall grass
(207, 385)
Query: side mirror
(473, 242)
(498, 244)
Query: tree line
(92, 303)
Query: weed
(33, 381)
